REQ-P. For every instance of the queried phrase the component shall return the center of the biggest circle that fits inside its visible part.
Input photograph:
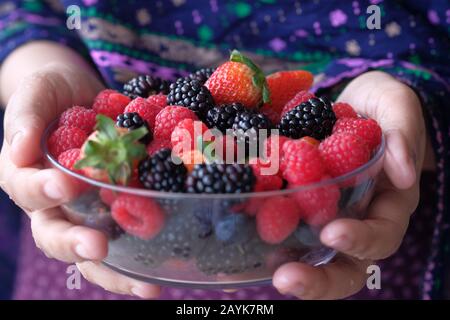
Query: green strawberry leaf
(259, 79)
(107, 126)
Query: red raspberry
(157, 145)
(168, 119)
(108, 196)
(367, 129)
(318, 206)
(110, 103)
(264, 181)
(277, 219)
(65, 138)
(343, 152)
(186, 134)
(344, 110)
(145, 109)
(69, 157)
(79, 117)
(139, 216)
(301, 162)
(300, 97)
(158, 100)
(274, 150)
(270, 113)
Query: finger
(36, 189)
(337, 280)
(115, 282)
(381, 234)
(39, 99)
(61, 240)
(397, 109)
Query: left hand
(398, 111)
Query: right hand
(39, 99)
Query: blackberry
(220, 178)
(160, 173)
(222, 117)
(217, 257)
(190, 94)
(246, 129)
(202, 75)
(144, 86)
(132, 121)
(314, 118)
(182, 237)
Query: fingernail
(16, 138)
(81, 251)
(139, 292)
(52, 191)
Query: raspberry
(65, 138)
(343, 152)
(168, 119)
(274, 148)
(108, 196)
(157, 145)
(301, 163)
(186, 134)
(318, 206)
(270, 113)
(159, 100)
(277, 219)
(141, 217)
(264, 181)
(344, 110)
(80, 117)
(145, 109)
(367, 129)
(300, 97)
(110, 103)
(69, 157)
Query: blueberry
(306, 236)
(231, 228)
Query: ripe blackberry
(222, 117)
(160, 173)
(217, 257)
(144, 86)
(314, 118)
(220, 178)
(182, 237)
(247, 125)
(133, 121)
(190, 94)
(202, 75)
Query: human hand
(38, 100)
(398, 111)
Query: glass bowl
(188, 251)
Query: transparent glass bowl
(186, 253)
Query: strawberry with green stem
(239, 80)
(111, 154)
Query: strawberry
(110, 154)
(284, 85)
(238, 80)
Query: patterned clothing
(330, 38)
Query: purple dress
(168, 39)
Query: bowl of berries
(216, 179)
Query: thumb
(38, 100)
(398, 111)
